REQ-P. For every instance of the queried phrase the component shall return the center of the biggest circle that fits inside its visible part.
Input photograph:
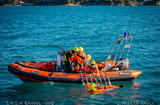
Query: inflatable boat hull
(32, 74)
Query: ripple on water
(35, 33)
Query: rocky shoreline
(69, 3)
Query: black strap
(80, 56)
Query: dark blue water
(35, 33)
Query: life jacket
(72, 58)
(79, 61)
(76, 60)
(92, 87)
(68, 54)
(89, 69)
(81, 56)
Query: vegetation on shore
(80, 2)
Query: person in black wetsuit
(67, 61)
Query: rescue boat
(46, 72)
(115, 67)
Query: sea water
(35, 33)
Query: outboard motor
(123, 63)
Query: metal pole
(129, 47)
(116, 51)
(111, 49)
(123, 48)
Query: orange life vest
(81, 56)
(67, 55)
(89, 69)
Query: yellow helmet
(80, 49)
(75, 49)
(89, 57)
(93, 62)
(96, 66)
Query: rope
(82, 79)
(108, 80)
(100, 79)
(86, 76)
(104, 78)
(91, 78)
(95, 78)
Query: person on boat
(69, 59)
(79, 60)
(87, 60)
(91, 67)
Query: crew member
(87, 60)
(80, 58)
(91, 67)
(69, 59)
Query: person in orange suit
(81, 56)
(91, 67)
(79, 60)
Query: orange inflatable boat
(46, 72)
(115, 67)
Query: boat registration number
(61, 75)
(124, 73)
(34, 72)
